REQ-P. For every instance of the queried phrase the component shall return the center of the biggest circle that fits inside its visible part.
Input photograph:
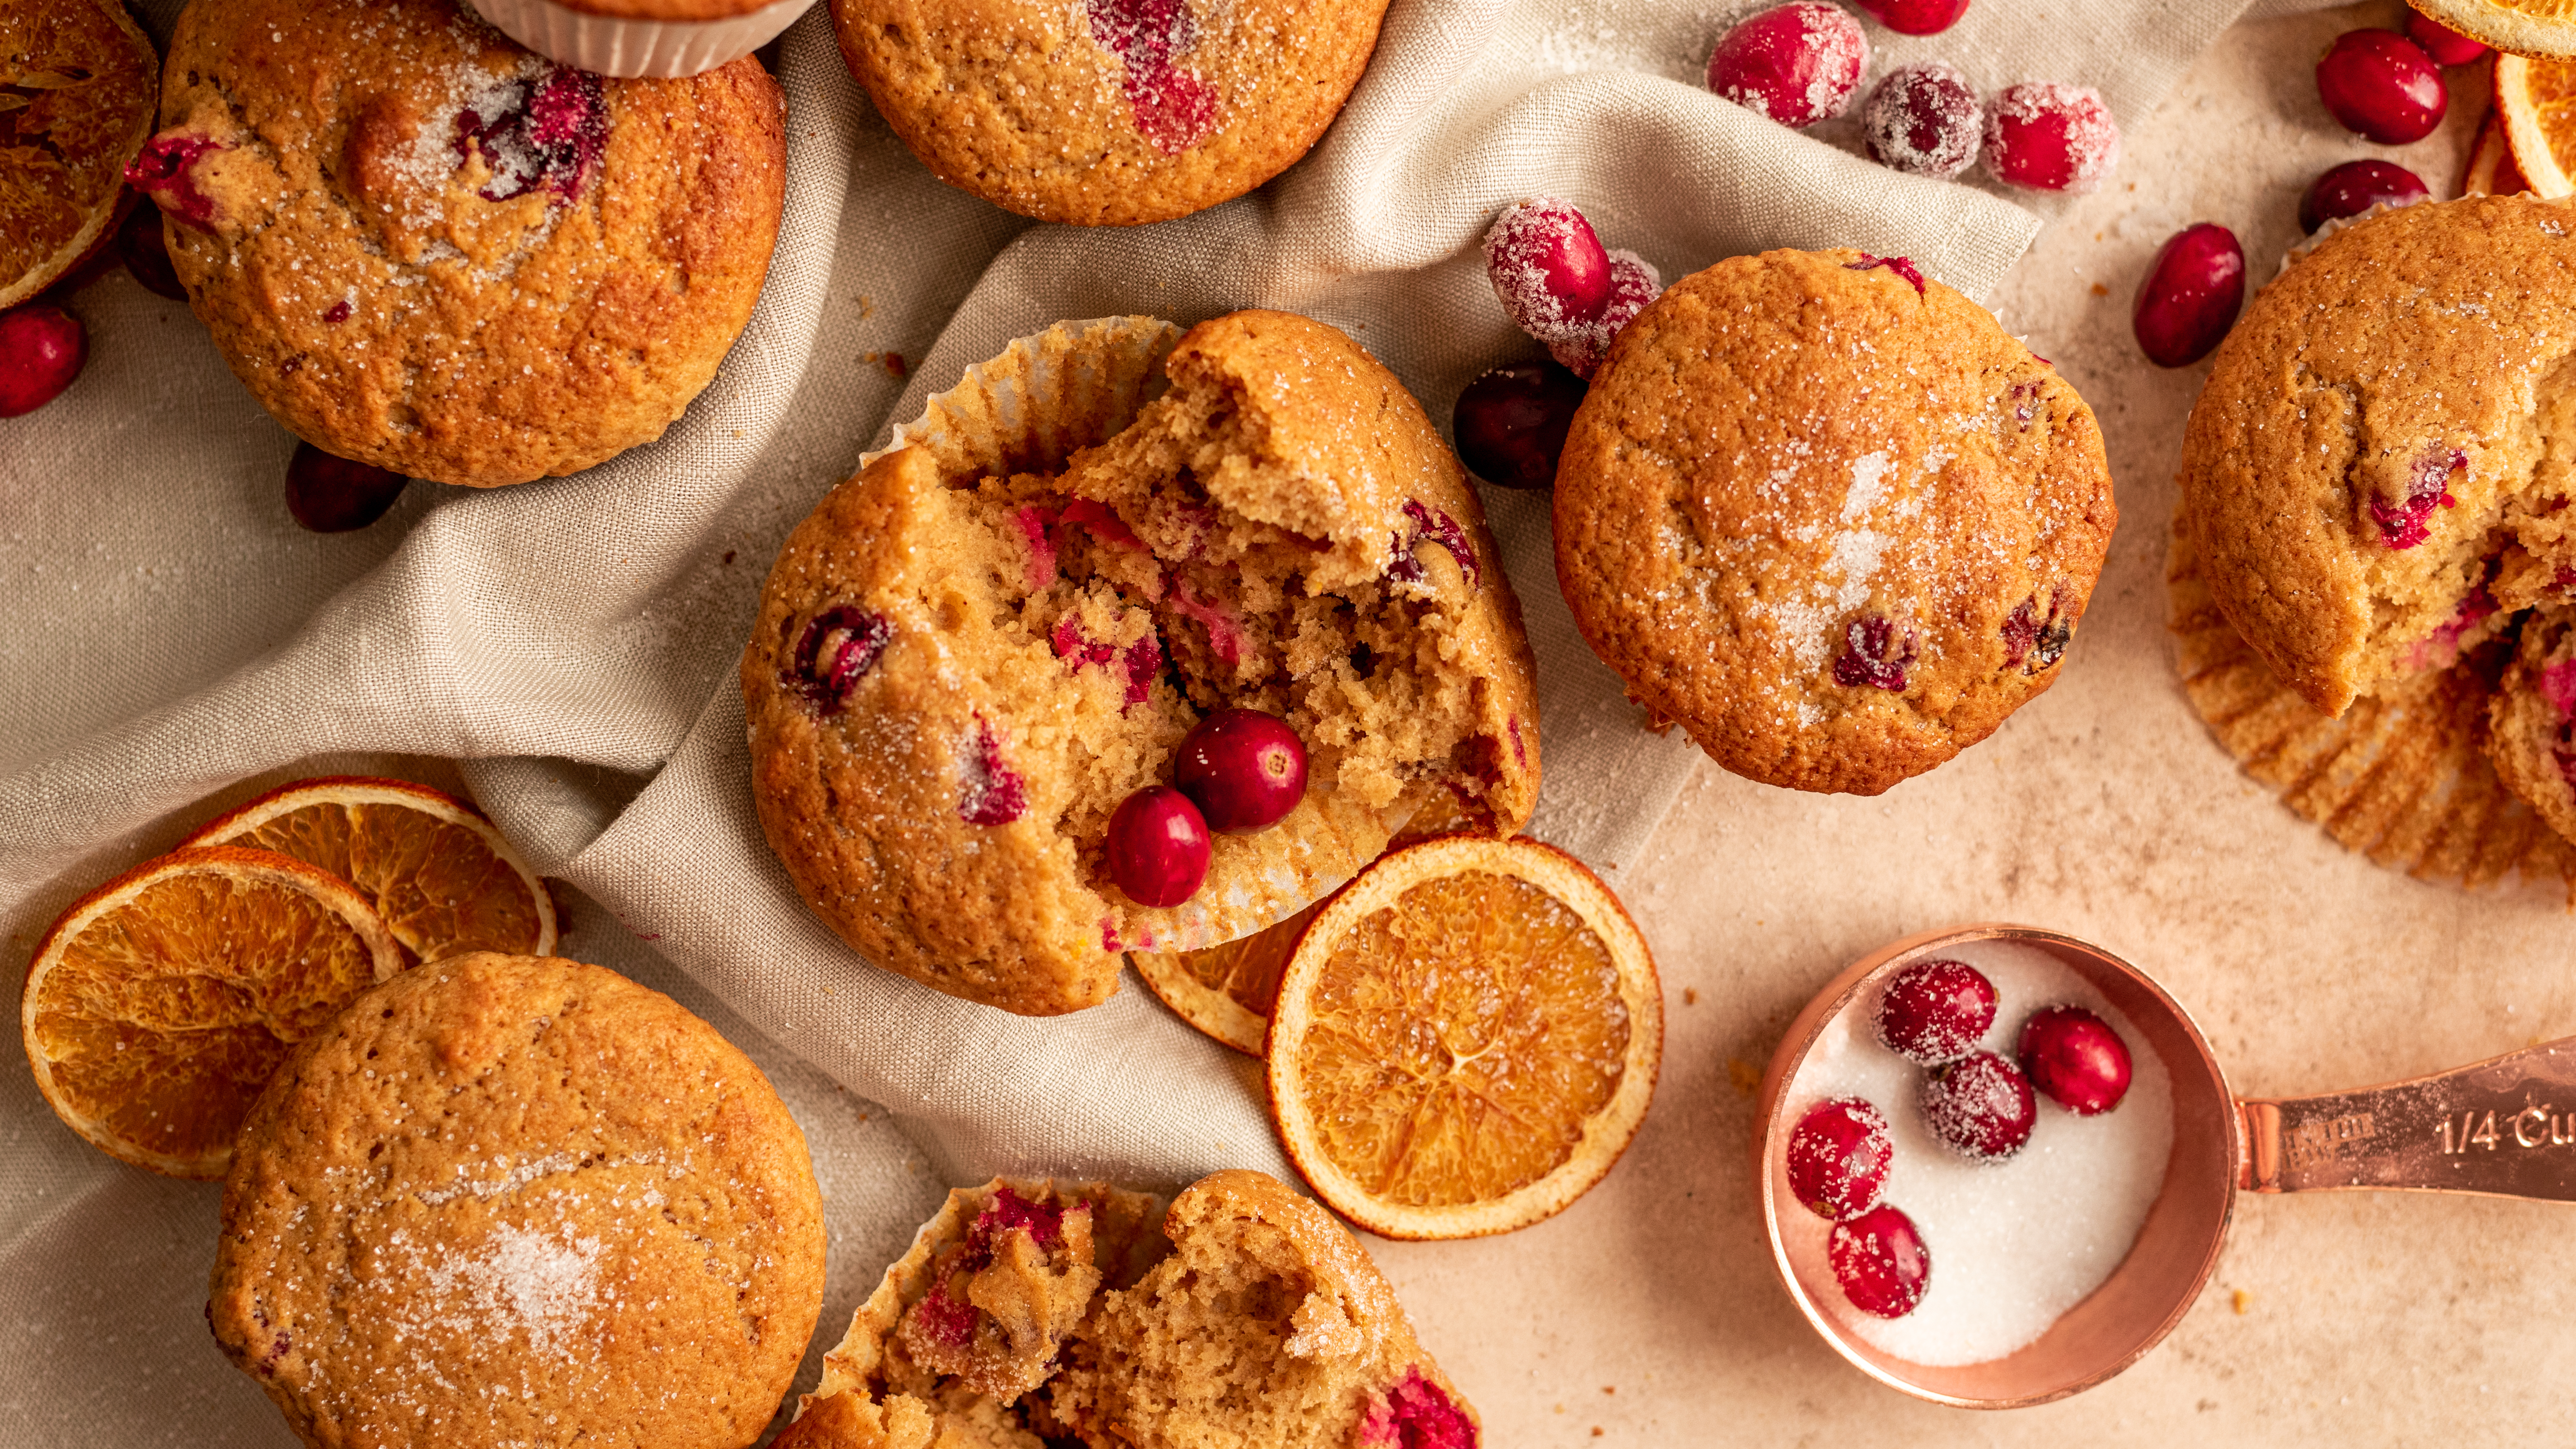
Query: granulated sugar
(2016, 1244)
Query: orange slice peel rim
(2528, 141)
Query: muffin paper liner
(638, 48)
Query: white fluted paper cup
(657, 40)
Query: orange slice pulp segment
(78, 83)
(1226, 991)
(2535, 101)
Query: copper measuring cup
(2487, 1128)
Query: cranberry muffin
(1824, 514)
(426, 249)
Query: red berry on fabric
(2045, 136)
(1923, 120)
(140, 245)
(2356, 187)
(1547, 266)
(330, 494)
(42, 349)
(1934, 1011)
(1243, 769)
(1914, 17)
(1981, 1107)
(1158, 847)
(1511, 423)
(2076, 1058)
(2445, 45)
(1633, 283)
(2190, 296)
(1838, 1157)
(1880, 1261)
(1798, 63)
(2380, 85)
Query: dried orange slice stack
(78, 84)
(2535, 106)
(2491, 171)
(1465, 1039)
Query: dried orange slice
(161, 1003)
(1465, 1039)
(2521, 27)
(2491, 171)
(1226, 991)
(78, 83)
(2536, 102)
(435, 869)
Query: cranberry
(166, 170)
(1174, 109)
(2445, 45)
(1914, 17)
(330, 494)
(2356, 187)
(1923, 120)
(989, 791)
(1633, 283)
(2190, 295)
(838, 648)
(1417, 1414)
(1880, 1260)
(2409, 521)
(1981, 1106)
(1158, 847)
(1838, 1156)
(140, 245)
(41, 351)
(2383, 86)
(1872, 657)
(1430, 525)
(1903, 267)
(1797, 63)
(1934, 1011)
(1245, 770)
(2033, 643)
(1547, 266)
(547, 132)
(2044, 136)
(2076, 1058)
(1511, 423)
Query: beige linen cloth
(172, 637)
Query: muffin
(642, 37)
(1107, 112)
(1250, 1319)
(2531, 723)
(507, 1200)
(962, 667)
(2376, 475)
(1829, 518)
(425, 249)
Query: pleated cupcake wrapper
(659, 49)
(1029, 409)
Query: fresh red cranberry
(1933, 1011)
(2045, 136)
(330, 494)
(2356, 187)
(1245, 770)
(1158, 847)
(166, 170)
(1880, 1261)
(2190, 295)
(838, 648)
(1914, 17)
(1797, 63)
(1511, 423)
(2445, 45)
(1838, 1156)
(1174, 109)
(2382, 86)
(1547, 266)
(1981, 1106)
(1417, 1414)
(546, 132)
(140, 245)
(1923, 120)
(1633, 283)
(2076, 1058)
(990, 792)
(2409, 520)
(42, 349)
(1872, 656)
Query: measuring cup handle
(2506, 1126)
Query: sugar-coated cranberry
(1158, 847)
(42, 349)
(1981, 1106)
(1838, 1157)
(2356, 187)
(1873, 656)
(2190, 295)
(1245, 770)
(1511, 423)
(1933, 1012)
(1174, 108)
(2445, 45)
(1914, 17)
(139, 244)
(2408, 521)
(1547, 266)
(1797, 63)
(330, 494)
(2076, 1058)
(1880, 1261)
(1633, 283)
(2382, 86)
(989, 792)
(1923, 120)
(2047, 136)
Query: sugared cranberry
(1838, 1156)
(2408, 521)
(1547, 266)
(1981, 1106)
(1158, 847)
(1880, 1261)
(1245, 770)
(989, 792)
(42, 349)
(2445, 45)
(2045, 136)
(1923, 120)
(546, 132)
(2356, 187)
(139, 244)
(2383, 86)
(1873, 656)
(1934, 1011)
(2033, 642)
(2190, 295)
(1633, 283)
(2076, 1058)
(1797, 63)
(330, 494)
(1511, 423)
(1417, 1414)
(1173, 108)
(1914, 17)
(837, 649)
(166, 170)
